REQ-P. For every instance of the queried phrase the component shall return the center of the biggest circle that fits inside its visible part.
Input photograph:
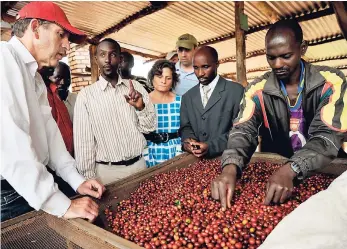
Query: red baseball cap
(53, 13)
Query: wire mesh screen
(34, 233)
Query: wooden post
(240, 45)
(340, 9)
(93, 66)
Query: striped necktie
(206, 89)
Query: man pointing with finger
(109, 121)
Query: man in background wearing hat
(172, 56)
(186, 45)
(30, 136)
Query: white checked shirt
(30, 138)
(106, 127)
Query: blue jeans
(12, 204)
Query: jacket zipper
(286, 104)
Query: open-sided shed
(150, 29)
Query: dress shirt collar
(103, 83)
(212, 84)
(68, 98)
(25, 55)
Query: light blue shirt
(187, 80)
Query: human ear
(34, 27)
(303, 47)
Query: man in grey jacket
(208, 109)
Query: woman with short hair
(164, 143)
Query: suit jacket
(212, 123)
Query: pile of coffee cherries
(176, 210)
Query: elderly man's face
(51, 44)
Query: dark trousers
(62, 185)
(13, 205)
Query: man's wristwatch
(297, 170)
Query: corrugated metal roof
(157, 33)
(210, 15)
(325, 26)
(333, 63)
(95, 17)
(296, 7)
(335, 48)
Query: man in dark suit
(209, 108)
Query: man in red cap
(30, 136)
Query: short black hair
(110, 40)
(66, 73)
(211, 50)
(157, 69)
(290, 24)
(47, 72)
(127, 55)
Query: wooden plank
(107, 237)
(267, 10)
(314, 42)
(305, 17)
(152, 8)
(324, 40)
(90, 236)
(5, 6)
(340, 9)
(240, 45)
(267, 68)
(123, 188)
(78, 235)
(133, 52)
(93, 65)
(21, 218)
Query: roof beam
(323, 40)
(265, 69)
(248, 55)
(266, 9)
(152, 8)
(341, 67)
(5, 6)
(310, 16)
(259, 69)
(340, 9)
(240, 44)
(133, 52)
(145, 55)
(328, 59)
(261, 52)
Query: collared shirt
(106, 127)
(187, 80)
(70, 103)
(212, 87)
(30, 138)
(61, 116)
